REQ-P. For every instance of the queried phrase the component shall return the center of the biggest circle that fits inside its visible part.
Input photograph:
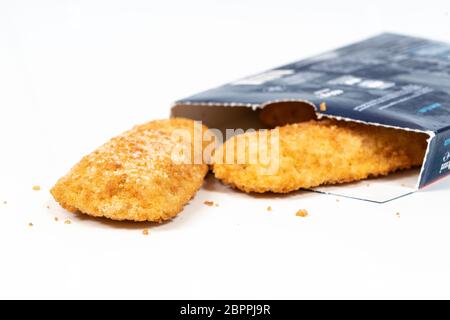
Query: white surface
(75, 73)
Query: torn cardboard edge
(378, 190)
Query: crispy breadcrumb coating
(132, 176)
(314, 153)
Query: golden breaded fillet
(132, 176)
(323, 152)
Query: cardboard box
(388, 80)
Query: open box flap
(378, 190)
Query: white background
(75, 73)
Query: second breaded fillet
(133, 177)
(323, 152)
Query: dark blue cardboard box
(390, 80)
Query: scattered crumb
(337, 200)
(398, 214)
(4, 202)
(269, 208)
(48, 207)
(36, 188)
(209, 203)
(56, 219)
(145, 232)
(30, 224)
(67, 221)
(367, 184)
(216, 205)
(302, 213)
(323, 107)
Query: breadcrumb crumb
(398, 214)
(269, 208)
(323, 107)
(4, 202)
(56, 219)
(48, 207)
(337, 200)
(302, 213)
(145, 232)
(216, 205)
(36, 188)
(209, 203)
(30, 224)
(67, 221)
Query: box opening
(271, 114)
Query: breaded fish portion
(314, 153)
(133, 177)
